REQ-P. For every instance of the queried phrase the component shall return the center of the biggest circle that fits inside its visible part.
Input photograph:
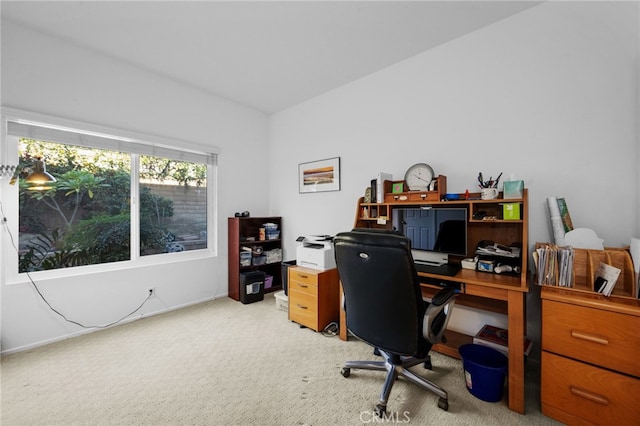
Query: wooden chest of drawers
(314, 297)
(590, 358)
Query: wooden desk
(491, 292)
(499, 293)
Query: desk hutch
(501, 293)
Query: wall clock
(418, 177)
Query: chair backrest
(383, 301)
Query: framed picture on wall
(319, 176)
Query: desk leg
(516, 313)
(343, 324)
(343, 318)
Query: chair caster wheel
(443, 404)
(427, 364)
(346, 372)
(376, 351)
(381, 410)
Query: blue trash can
(484, 370)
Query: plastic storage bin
(274, 255)
(271, 230)
(252, 286)
(268, 281)
(245, 258)
(282, 301)
(484, 370)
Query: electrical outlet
(152, 290)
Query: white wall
(48, 76)
(549, 96)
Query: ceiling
(269, 55)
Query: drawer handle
(303, 276)
(589, 337)
(589, 395)
(302, 285)
(301, 306)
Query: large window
(114, 199)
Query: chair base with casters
(396, 367)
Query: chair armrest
(443, 296)
(437, 315)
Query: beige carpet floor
(225, 363)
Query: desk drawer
(588, 392)
(602, 338)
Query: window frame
(10, 205)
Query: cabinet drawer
(303, 276)
(602, 338)
(303, 287)
(588, 392)
(303, 309)
(304, 301)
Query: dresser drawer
(588, 392)
(602, 338)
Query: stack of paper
(554, 265)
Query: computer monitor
(435, 233)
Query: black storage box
(285, 274)
(252, 286)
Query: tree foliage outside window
(85, 218)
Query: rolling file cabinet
(590, 365)
(314, 297)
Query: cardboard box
(511, 211)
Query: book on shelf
(380, 187)
(374, 190)
(606, 278)
(498, 339)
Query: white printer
(315, 251)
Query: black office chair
(384, 307)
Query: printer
(315, 251)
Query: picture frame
(397, 187)
(319, 176)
